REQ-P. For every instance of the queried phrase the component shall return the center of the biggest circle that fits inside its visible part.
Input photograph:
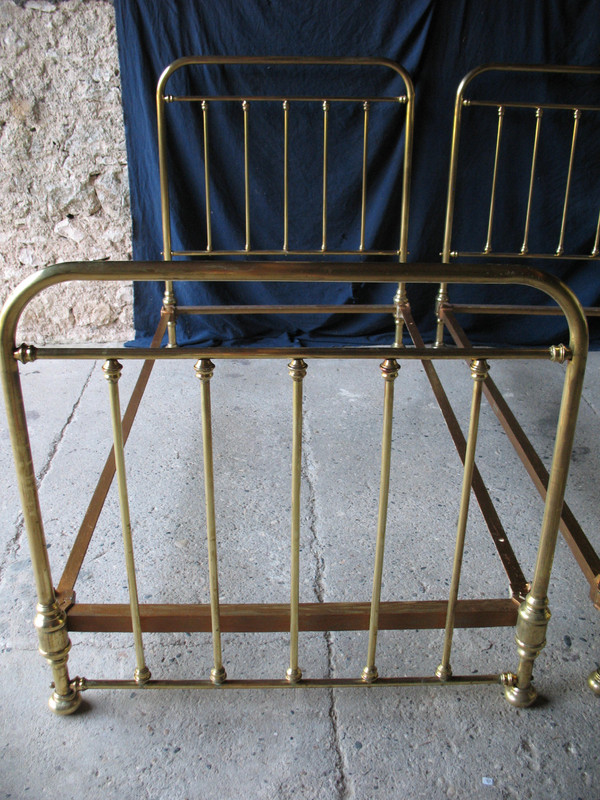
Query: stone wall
(64, 191)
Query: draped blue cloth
(437, 43)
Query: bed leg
(531, 640)
(51, 624)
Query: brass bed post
(534, 612)
(169, 307)
(401, 302)
(50, 619)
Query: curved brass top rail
(373, 272)
(501, 104)
(405, 98)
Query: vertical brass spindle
(204, 368)
(325, 144)
(488, 244)
(112, 372)
(286, 111)
(206, 176)
(538, 122)
(561, 242)
(246, 108)
(389, 371)
(596, 247)
(297, 369)
(363, 203)
(479, 371)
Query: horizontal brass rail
(228, 98)
(30, 353)
(82, 684)
(347, 309)
(534, 106)
(539, 256)
(538, 311)
(280, 252)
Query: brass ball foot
(594, 682)
(369, 674)
(218, 676)
(293, 675)
(520, 698)
(63, 704)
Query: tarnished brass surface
(552, 252)
(532, 618)
(404, 99)
(522, 693)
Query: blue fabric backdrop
(438, 43)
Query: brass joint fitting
(532, 622)
(389, 369)
(293, 675)
(204, 369)
(369, 674)
(560, 353)
(508, 679)
(26, 353)
(297, 369)
(479, 369)
(218, 676)
(112, 370)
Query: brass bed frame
(58, 612)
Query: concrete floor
(341, 743)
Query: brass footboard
(527, 606)
(552, 113)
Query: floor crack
(309, 476)
(55, 444)
(14, 543)
(590, 405)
